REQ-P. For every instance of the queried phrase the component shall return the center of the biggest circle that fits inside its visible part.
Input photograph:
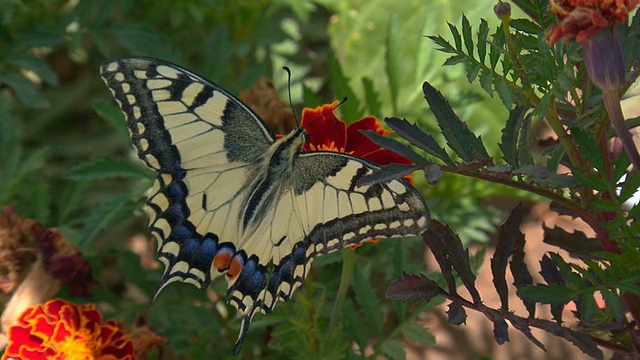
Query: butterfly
(231, 199)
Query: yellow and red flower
(62, 330)
(327, 133)
(581, 19)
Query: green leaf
(458, 136)
(466, 35)
(419, 138)
(549, 294)
(483, 30)
(393, 58)
(510, 134)
(371, 97)
(101, 168)
(592, 181)
(102, 216)
(504, 92)
(353, 324)
(418, 333)
(393, 349)
(73, 194)
(395, 146)
(368, 301)
(109, 112)
(33, 63)
(27, 91)
(339, 85)
(588, 148)
(456, 37)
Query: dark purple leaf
(521, 275)
(583, 341)
(413, 288)
(395, 146)
(432, 173)
(551, 274)
(459, 138)
(549, 294)
(534, 171)
(562, 210)
(419, 138)
(576, 243)
(456, 314)
(500, 332)
(387, 173)
(475, 165)
(509, 232)
(521, 324)
(457, 256)
(435, 243)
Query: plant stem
(513, 55)
(614, 110)
(563, 136)
(348, 265)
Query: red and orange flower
(62, 330)
(327, 133)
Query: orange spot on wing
(234, 269)
(222, 260)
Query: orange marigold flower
(327, 133)
(62, 330)
(581, 19)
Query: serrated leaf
(456, 37)
(418, 138)
(466, 35)
(435, 242)
(112, 115)
(614, 305)
(588, 148)
(455, 313)
(521, 275)
(418, 333)
(472, 71)
(501, 86)
(486, 82)
(456, 255)
(509, 234)
(533, 171)
(483, 30)
(510, 133)
(500, 332)
(523, 149)
(522, 326)
(101, 168)
(368, 301)
(576, 243)
(630, 187)
(458, 136)
(526, 26)
(583, 341)
(549, 294)
(393, 349)
(413, 288)
(72, 195)
(592, 181)
(353, 324)
(101, 217)
(387, 173)
(395, 146)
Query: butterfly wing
(321, 209)
(203, 142)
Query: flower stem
(348, 265)
(563, 136)
(614, 110)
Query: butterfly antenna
(286, 68)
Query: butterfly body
(231, 199)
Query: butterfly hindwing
(231, 199)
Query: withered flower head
(264, 100)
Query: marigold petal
(323, 127)
(357, 142)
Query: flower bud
(502, 10)
(604, 59)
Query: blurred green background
(61, 134)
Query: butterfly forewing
(219, 204)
